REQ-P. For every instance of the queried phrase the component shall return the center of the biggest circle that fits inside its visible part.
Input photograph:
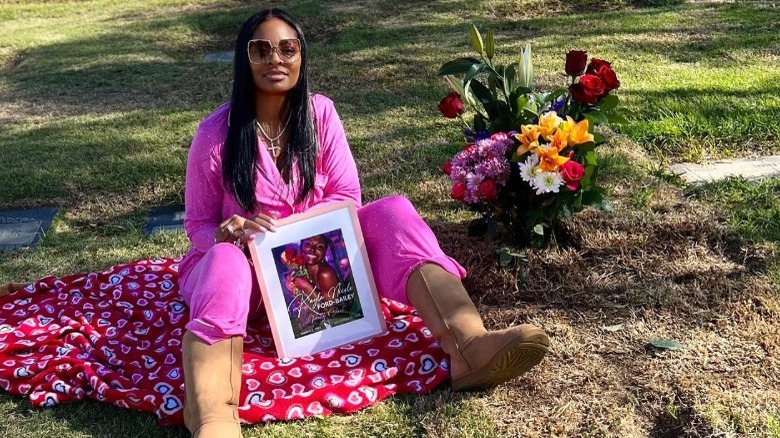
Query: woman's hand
(296, 282)
(239, 228)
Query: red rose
(458, 191)
(451, 106)
(575, 62)
(608, 77)
(488, 189)
(588, 90)
(299, 260)
(595, 65)
(572, 173)
(288, 256)
(447, 168)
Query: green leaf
(609, 102)
(507, 257)
(519, 104)
(604, 206)
(526, 69)
(586, 147)
(476, 39)
(480, 124)
(473, 71)
(510, 78)
(457, 66)
(454, 83)
(596, 117)
(539, 229)
(555, 94)
(490, 45)
(592, 197)
(485, 97)
(504, 259)
(617, 119)
(598, 138)
(590, 158)
(666, 344)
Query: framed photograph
(316, 281)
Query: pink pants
(222, 291)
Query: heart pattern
(115, 336)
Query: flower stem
(460, 116)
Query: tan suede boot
(479, 359)
(212, 382)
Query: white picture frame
(292, 268)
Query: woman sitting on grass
(274, 150)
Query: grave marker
(219, 57)
(749, 168)
(165, 219)
(24, 228)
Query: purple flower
(482, 161)
(558, 105)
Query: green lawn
(99, 100)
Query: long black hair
(240, 152)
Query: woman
(275, 150)
(324, 279)
(320, 287)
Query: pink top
(207, 203)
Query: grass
(99, 100)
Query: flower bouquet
(529, 158)
(295, 262)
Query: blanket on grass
(115, 336)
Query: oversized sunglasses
(262, 51)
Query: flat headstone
(219, 57)
(24, 228)
(166, 219)
(748, 168)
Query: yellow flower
(579, 133)
(528, 137)
(549, 160)
(567, 125)
(558, 139)
(523, 148)
(548, 123)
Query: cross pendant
(273, 149)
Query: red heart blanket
(115, 336)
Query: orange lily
(528, 137)
(548, 123)
(558, 139)
(579, 133)
(549, 160)
(567, 125)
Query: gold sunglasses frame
(275, 49)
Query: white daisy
(527, 172)
(547, 182)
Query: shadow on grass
(145, 64)
(130, 156)
(88, 417)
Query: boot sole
(514, 359)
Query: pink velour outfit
(216, 280)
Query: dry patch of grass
(670, 270)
